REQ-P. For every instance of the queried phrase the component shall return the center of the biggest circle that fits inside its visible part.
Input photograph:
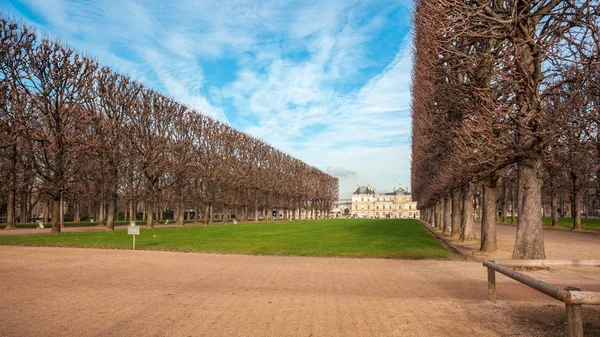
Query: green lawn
(568, 222)
(381, 238)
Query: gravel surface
(94, 292)
(559, 244)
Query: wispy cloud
(326, 81)
(338, 171)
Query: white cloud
(301, 104)
(369, 128)
(338, 171)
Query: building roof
(399, 191)
(364, 190)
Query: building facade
(367, 203)
(340, 207)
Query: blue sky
(325, 81)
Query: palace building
(367, 203)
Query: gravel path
(93, 292)
(559, 244)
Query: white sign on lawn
(133, 230)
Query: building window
(409, 213)
(377, 213)
(362, 199)
(368, 206)
(377, 207)
(409, 206)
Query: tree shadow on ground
(534, 319)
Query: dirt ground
(559, 244)
(93, 292)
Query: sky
(327, 82)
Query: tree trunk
(439, 205)
(101, 212)
(554, 210)
(447, 220)
(577, 202)
(206, 213)
(513, 204)
(466, 233)
(132, 212)
(10, 220)
(488, 221)
(180, 213)
(504, 201)
(436, 215)
(455, 230)
(12, 190)
(211, 215)
(255, 211)
(23, 217)
(56, 214)
(62, 211)
(47, 212)
(110, 214)
(530, 236)
(149, 214)
(77, 217)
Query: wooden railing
(573, 297)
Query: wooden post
(492, 284)
(574, 317)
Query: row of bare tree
(505, 93)
(73, 132)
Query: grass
(568, 222)
(381, 238)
